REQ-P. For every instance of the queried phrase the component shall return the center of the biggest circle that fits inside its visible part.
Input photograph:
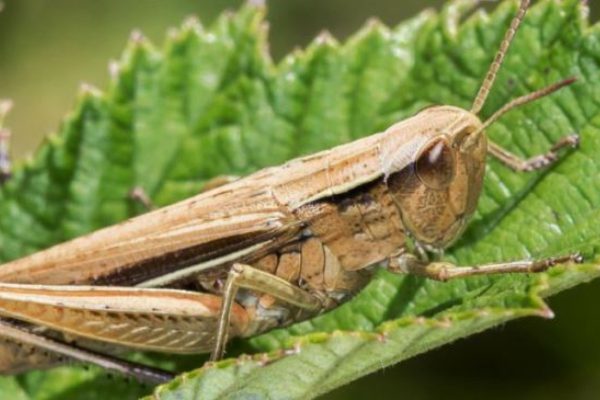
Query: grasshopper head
(437, 187)
(434, 162)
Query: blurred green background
(48, 47)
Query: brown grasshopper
(281, 245)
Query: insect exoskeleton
(275, 247)
(435, 176)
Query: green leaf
(211, 102)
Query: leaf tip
(546, 313)
(325, 38)
(192, 24)
(373, 23)
(5, 106)
(137, 37)
(87, 89)
(257, 3)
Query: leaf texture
(212, 102)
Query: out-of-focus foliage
(48, 47)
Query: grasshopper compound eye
(435, 165)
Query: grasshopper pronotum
(278, 246)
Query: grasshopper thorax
(436, 188)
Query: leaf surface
(211, 102)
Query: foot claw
(572, 141)
(545, 160)
(577, 258)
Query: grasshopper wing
(215, 228)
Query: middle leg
(443, 271)
(247, 277)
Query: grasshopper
(279, 246)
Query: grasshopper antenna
(528, 98)
(490, 77)
(572, 140)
